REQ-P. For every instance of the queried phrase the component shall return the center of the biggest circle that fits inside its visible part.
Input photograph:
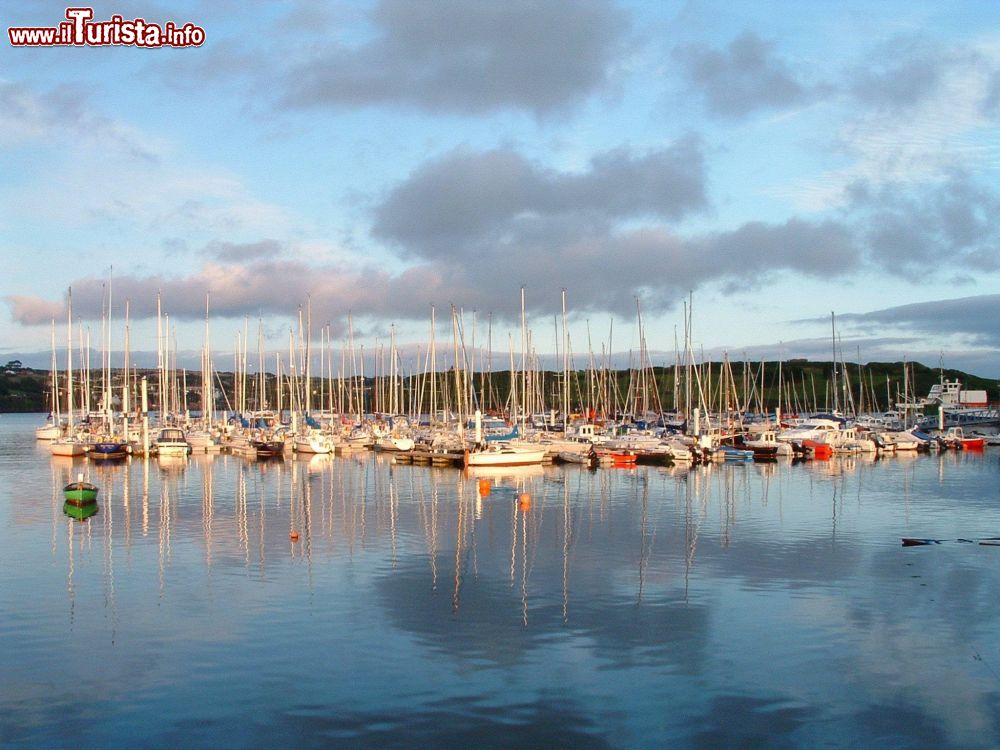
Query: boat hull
(80, 512)
(173, 450)
(80, 493)
(504, 457)
(108, 451)
(48, 432)
(67, 448)
(268, 448)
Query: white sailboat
(71, 444)
(52, 428)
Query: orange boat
(820, 451)
(615, 457)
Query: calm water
(725, 606)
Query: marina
(351, 599)
(601, 375)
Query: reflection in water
(416, 605)
(343, 507)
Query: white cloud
(83, 168)
(923, 137)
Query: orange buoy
(484, 487)
(295, 536)
(524, 502)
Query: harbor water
(344, 602)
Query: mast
(833, 338)
(308, 366)
(459, 407)
(54, 380)
(160, 369)
(167, 403)
(433, 373)
(565, 394)
(524, 360)
(394, 406)
(69, 359)
(207, 388)
(125, 384)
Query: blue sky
(777, 161)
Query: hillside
(803, 382)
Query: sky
(768, 168)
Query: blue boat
(734, 455)
(105, 450)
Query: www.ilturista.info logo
(79, 29)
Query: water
(722, 606)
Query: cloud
(991, 97)
(258, 287)
(916, 113)
(235, 252)
(34, 311)
(456, 56)
(603, 272)
(909, 232)
(492, 222)
(471, 202)
(110, 172)
(973, 319)
(900, 74)
(60, 118)
(745, 77)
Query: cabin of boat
(171, 442)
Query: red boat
(957, 438)
(615, 457)
(818, 450)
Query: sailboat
(500, 453)
(71, 444)
(52, 429)
(503, 454)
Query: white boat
(49, 431)
(767, 445)
(678, 451)
(849, 440)
(203, 441)
(71, 445)
(239, 444)
(313, 441)
(576, 457)
(817, 429)
(504, 454)
(359, 437)
(171, 442)
(394, 443)
(901, 440)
